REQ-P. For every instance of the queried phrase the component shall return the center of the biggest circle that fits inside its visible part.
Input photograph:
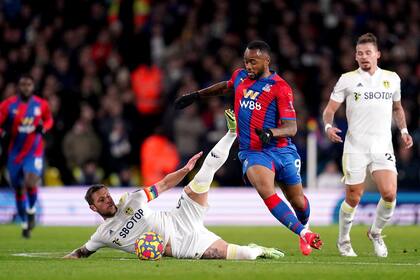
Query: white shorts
(354, 165)
(190, 239)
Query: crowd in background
(111, 70)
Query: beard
(109, 213)
(254, 76)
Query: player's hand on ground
(265, 134)
(186, 100)
(332, 134)
(191, 163)
(407, 140)
(72, 255)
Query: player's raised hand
(191, 163)
(332, 134)
(186, 100)
(407, 140)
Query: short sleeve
(231, 82)
(3, 111)
(339, 92)
(285, 102)
(397, 93)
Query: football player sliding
(182, 229)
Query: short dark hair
(259, 45)
(92, 189)
(368, 38)
(26, 76)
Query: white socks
(236, 252)
(384, 212)
(214, 160)
(345, 221)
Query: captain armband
(151, 193)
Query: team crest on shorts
(129, 211)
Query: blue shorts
(29, 164)
(284, 162)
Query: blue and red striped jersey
(261, 103)
(20, 119)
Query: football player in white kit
(372, 97)
(182, 229)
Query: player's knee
(353, 198)
(389, 196)
(298, 203)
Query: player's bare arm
(399, 117)
(288, 128)
(173, 179)
(328, 117)
(82, 252)
(185, 100)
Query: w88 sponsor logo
(249, 104)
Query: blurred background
(111, 70)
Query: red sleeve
(231, 82)
(47, 119)
(285, 102)
(4, 106)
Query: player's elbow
(293, 131)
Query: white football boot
(378, 244)
(345, 249)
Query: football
(149, 246)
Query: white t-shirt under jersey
(369, 100)
(133, 218)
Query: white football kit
(369, 102)
(183, 226)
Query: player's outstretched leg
(268, 253)
(215, 158)
(251, 252)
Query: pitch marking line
(60, 254)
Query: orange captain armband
(151, 193)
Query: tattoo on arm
(213, 253)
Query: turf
(39, 257)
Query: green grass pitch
(39, 257)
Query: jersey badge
(356, 96)
(37, 111)
(386, 84)
(111, 232)
(359, 85)
(267, 88)
(129, 211)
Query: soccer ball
(149, 246)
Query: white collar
(366, 74)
